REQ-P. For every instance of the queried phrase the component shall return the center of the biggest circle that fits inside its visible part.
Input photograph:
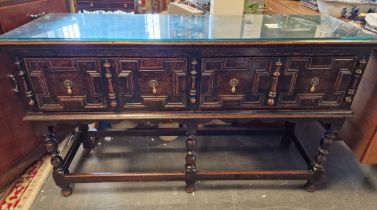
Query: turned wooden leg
(320, 158)
(288, 135)
(87, 142)
(57, 162)
(190, 167)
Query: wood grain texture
(20, 145)
(18, 13)
(170, 115)
(278, 7)
(16, 136)
(249, 43)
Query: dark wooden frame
(190, 175)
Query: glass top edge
(59, 27)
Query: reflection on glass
(152, 27)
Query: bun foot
(190, 188)
(66, 191)
(309, 187)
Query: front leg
(317, 165)
(190, 167)
(57, 162)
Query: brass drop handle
(38, 15)
(69, 85)
(233, 83)
(314, 82)
(14, 81)
(153, 84)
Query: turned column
(110, 89)
(317, 165)
(190, 167)
(56, 161)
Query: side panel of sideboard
(18, 140)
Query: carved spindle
(272, 93)
(190, 167)
(28, 92)
(356, 78)
(110, 90)
(320, 158)
(56, 161)
(193, 82)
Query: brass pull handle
(233, 83)
(69, 85)
(91, 4)
(14, 81)
(314, 82)
(35, 16)
(125, 5)
(153, 84)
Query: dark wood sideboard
(20, 145)
(108, 5)
(292, 80)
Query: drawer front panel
(235, 83)
(152, 83)
(313, 82)
(66, 84)
(316, 81)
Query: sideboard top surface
(185, 30)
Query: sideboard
(188, 69)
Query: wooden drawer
(279, 82)
(236, 83)
(106, 5)
(14, 15)
(311, 82)
(152, 83)
(67, 84)
(80, 84)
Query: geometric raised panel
(295, 87)
(134, 76)
(253, 76)
(48, 77)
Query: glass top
(165, 28)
